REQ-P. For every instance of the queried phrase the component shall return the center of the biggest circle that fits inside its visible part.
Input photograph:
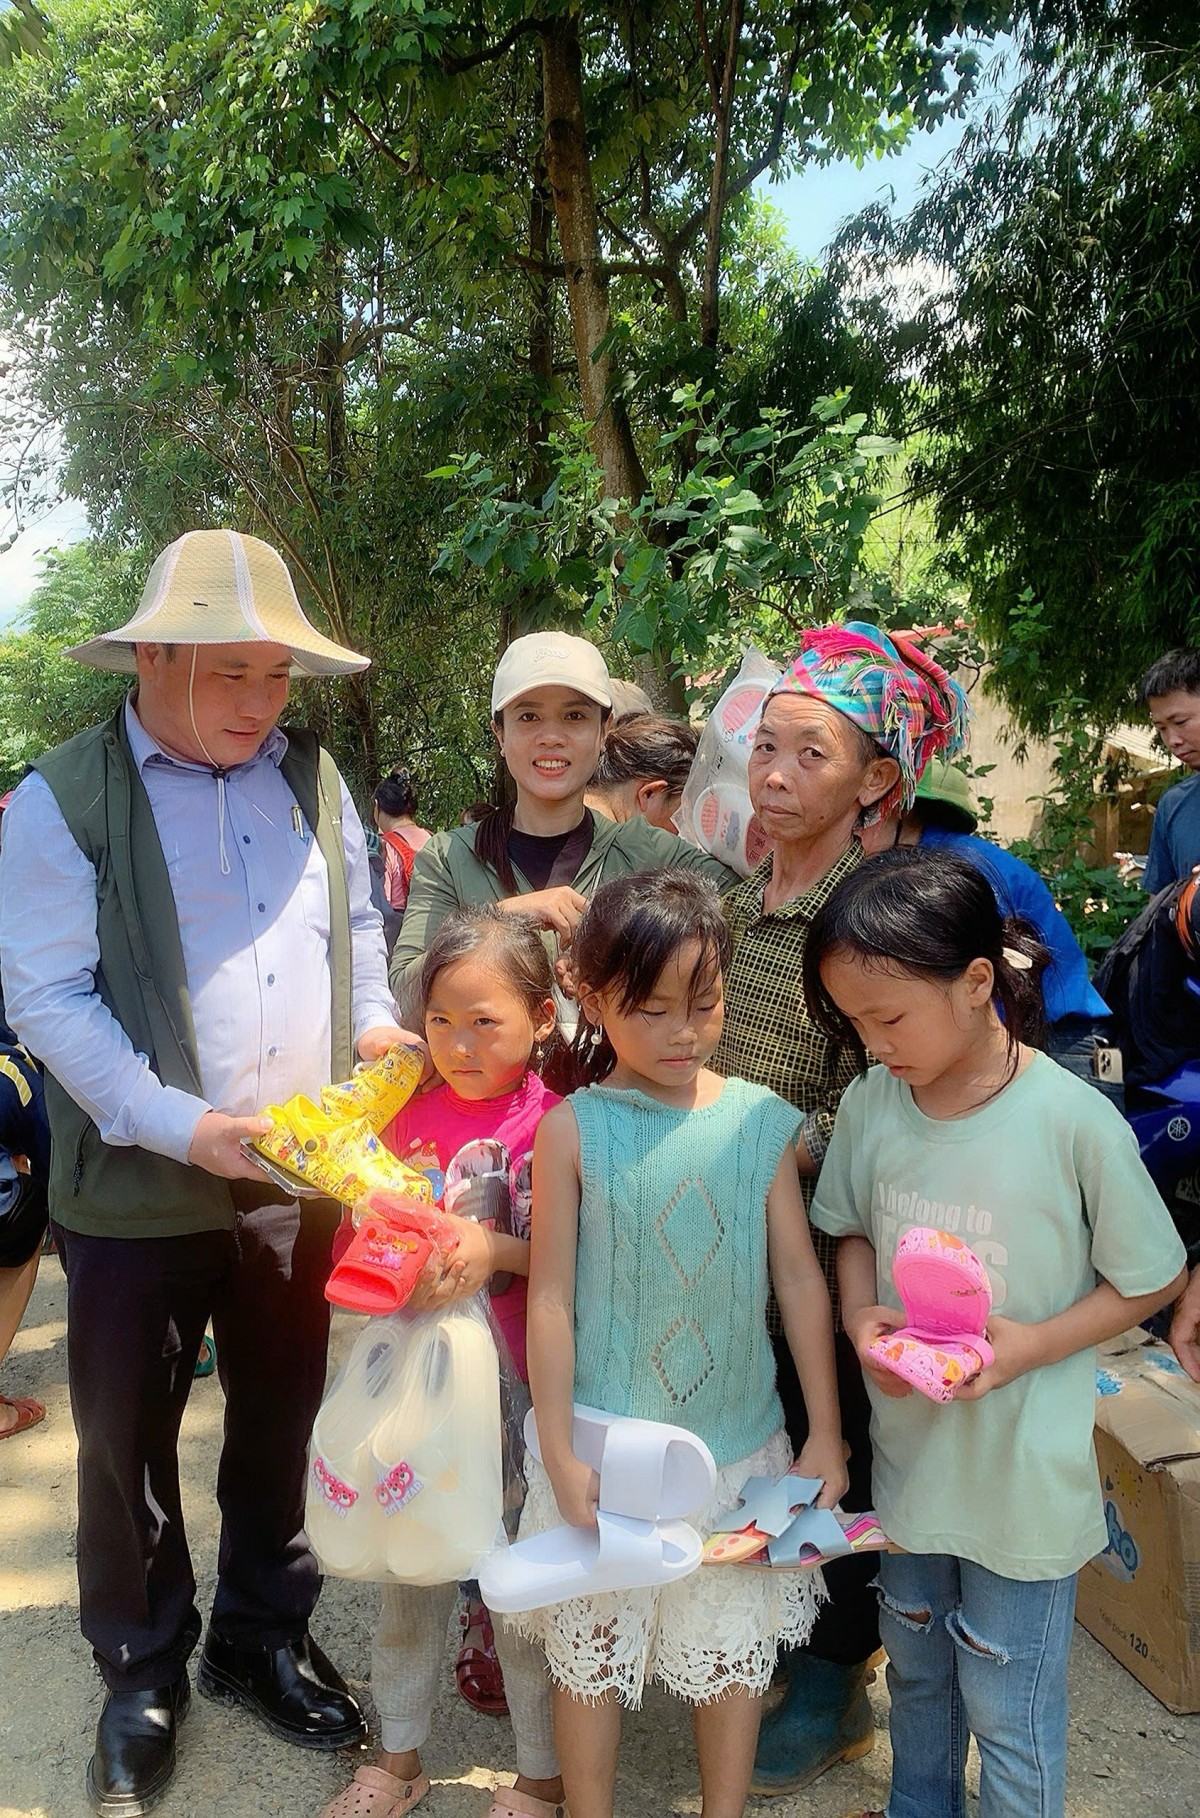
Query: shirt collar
(148, 750)
(805, 905)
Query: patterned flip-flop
(29, 1412)
(374, 1793)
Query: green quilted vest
(95, 1187)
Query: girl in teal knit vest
(662, 1193)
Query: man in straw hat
(187, 936)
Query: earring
(597, 1035)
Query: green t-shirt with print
(1046, 1186)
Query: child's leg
(928, 1724)
(588, 1737)
(726, 1734)
(1013, 1642)
(406, 1661)
(527, 1687)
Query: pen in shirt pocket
(298, 827)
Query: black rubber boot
(825, 1717)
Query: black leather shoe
(135, 1749)
(295, 1690)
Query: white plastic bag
(406, 1477)
(715, 813)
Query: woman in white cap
(546, 854)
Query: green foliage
(23, 30)
(1055, 352)
(44, 697)
(1096, 901)
(767, 524)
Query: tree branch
(379, 144)
(683, 236)
(490, 53)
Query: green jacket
(449, 876)
(101, 1189)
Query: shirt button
(270, 978)
(245, 839)
(272, 1052)
(262, 908)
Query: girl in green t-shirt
(994, 1496)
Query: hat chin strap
(217, 770)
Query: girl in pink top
(487, 1007)
(487, 1004)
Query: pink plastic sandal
(374, 1793)
(948, 1299)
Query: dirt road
(1129, 1757)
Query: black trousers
(136, 1312)
(847, 1629)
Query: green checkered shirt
(769, 1036)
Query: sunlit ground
(1129, 1757)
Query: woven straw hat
(219, 587)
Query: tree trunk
(722, 74)
(570, 177)
(541, 329)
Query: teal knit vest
(671, 1266)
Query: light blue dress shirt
(255, 945)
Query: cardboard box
(1141, 1597)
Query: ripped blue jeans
(973, 1654)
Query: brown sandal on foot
(374, 1793)
(29, 1412)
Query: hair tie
(1020, 962)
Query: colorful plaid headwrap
(891, 689)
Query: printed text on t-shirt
(896, 1210)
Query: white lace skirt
(716, 1631)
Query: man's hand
(559, 909)
(374, 1043)
(1185, 1327)
(217, 1145)
(862, 1329)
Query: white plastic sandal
(650, 1475)
(437, 1456)
(342, 1516)
(619, 1554)
(647, 1469)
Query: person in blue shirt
(24, 1172)
(944, 815)
(1170, 693)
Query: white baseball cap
(550, 659)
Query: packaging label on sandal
(397, 1488)
(338, 1494)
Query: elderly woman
(841, 744)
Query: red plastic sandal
(477, 1671)
(29, 1412)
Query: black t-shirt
(535, 853)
